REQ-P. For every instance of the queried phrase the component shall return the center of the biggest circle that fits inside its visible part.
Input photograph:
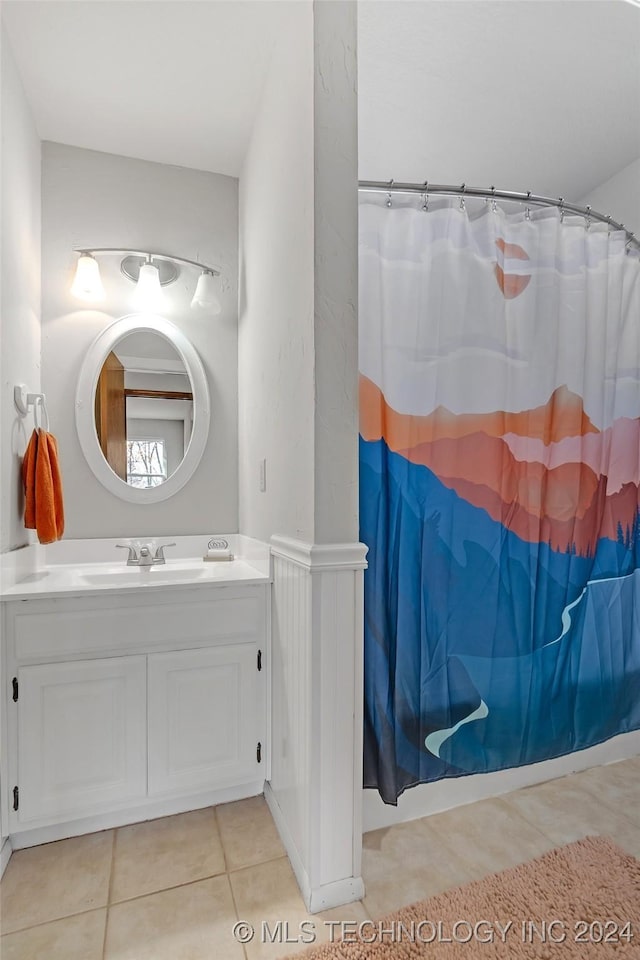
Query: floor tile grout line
(258, 863)
(227, 875)
(470, 864)
(188, 883)
(174, 886)
(109, 889)
(515, 810)
(235, 907)
(365, 908)
(219, 832)
(610, 806)
(150, 893)
(43, 923)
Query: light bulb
(87, 283)
(205, 296)
(148, 293)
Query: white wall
(336, 273)
(276, 360)
(20, 301)
(619, 197)
(97, 199)
(298, 288)
(276, 364)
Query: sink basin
(142, 575)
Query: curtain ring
(527, 211)
(494, 205)
(463, 188)
(389, 194)
(561, 205)
(588, 218)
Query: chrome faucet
(144, 558)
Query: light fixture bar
(147, 254)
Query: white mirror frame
(85, 407)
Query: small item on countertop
(218, 555)
(218, 549)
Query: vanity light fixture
(150, 272)
(205, 295)
(87, 283)
(148, 294)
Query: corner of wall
(336, 272)
(20, 310)
(275, 335)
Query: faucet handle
(133, 556)
(160, 550)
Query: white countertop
(27, 574)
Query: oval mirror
(142, 408)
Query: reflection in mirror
(144, 409)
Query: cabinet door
(81, 737)
(206, 717)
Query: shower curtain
(499, 476)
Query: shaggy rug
(572, 903)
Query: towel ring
(23, 400)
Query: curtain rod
(490, 193)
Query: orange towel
(44, 509)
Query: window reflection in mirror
(144, 409)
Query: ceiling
(525, 95)
(176, 82)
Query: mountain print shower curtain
(499, 476)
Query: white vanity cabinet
(125, 706)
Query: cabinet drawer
(53, 630)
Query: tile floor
(171, 889)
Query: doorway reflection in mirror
(144, 409)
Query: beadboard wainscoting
(315, 793)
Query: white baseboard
(336, 894)
(5, 854)
(320, 898)
(120, 818)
